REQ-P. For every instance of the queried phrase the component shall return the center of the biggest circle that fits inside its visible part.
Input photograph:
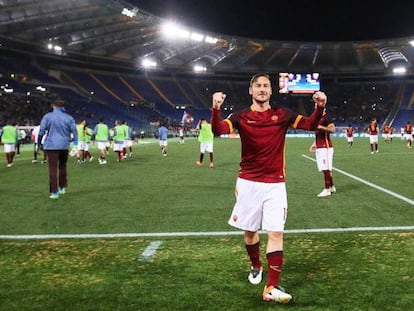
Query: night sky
(318, 20)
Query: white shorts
(373, 139)
(163, 143)
(408, 137)
(259, 203)
(102, 145)
(9, 148)
(118, 146)
(206, 147)
(86, 146)
(324, 158)
(81, 145)
(350, 139)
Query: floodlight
(399, 70)
(148, 63)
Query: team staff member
(324, 151)
(163, 138)
(260, 189)
(59, 127)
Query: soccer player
(119, 140)
(373, 131)
(59, 127)
(408, 134)
(324, 152)
(181, 134)
(36, 147)
(101, 133)
(129, 140)
(261, 197)
(350, 135)
(387, 134)
(9, 137)
(88, 138)
(206, 139)
(80, 156)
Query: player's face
(261, 90)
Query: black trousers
(57, 160)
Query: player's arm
(219, 126)
(329, 128)
(311, 123)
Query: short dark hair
(257, 76)
(58, 103)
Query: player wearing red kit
(373, 131)
(408, 134)
(350, 135)
(324, 153)
(261, 198)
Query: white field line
(219, 233)
(150, 251)
(396, 195)
(189, 234)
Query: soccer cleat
(255, 275)
(324, 193)
(277, 294)
(199, 164)
(211, 165)
(333, 189)
(62, 191)
(34, 161)
(9, 164)
(54, 196)
(90, 159)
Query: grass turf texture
(149, 193)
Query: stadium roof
(118, 33)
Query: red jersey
(262, 136)
(322, 138)
(373, 128)
(408, 128)
(349, 132)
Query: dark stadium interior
(97, 68)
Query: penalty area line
(191, 234)
(370, 184)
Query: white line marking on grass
(150, 251)
(396, 195)
(190, 234)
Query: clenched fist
(218, 99)
(319, 98)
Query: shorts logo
(235, 218)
